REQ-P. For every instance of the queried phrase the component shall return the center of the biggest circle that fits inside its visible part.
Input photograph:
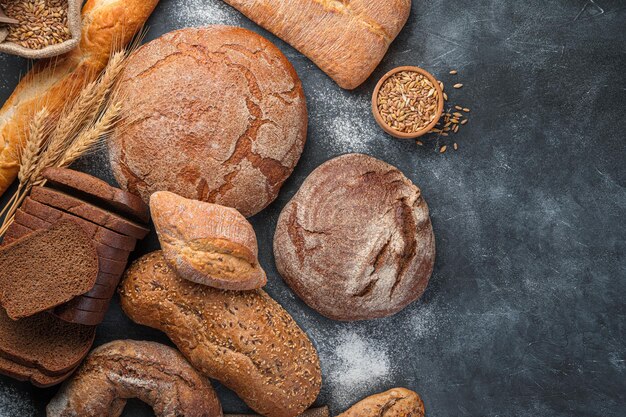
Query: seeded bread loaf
(154, 373)
(97, 192)
(346, 39)
(84, 210)
(356, 241)
(207, 243)
(230, 131)
(244, 339)
(106, 26)
(46, 268)
(44, 343)
(397, 402)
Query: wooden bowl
(389, 129)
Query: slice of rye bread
(98, 192)
(106, 280)
(73, 315)
(107, 266)
(97, 233)
(46, 268)
(44, 342)
(34, 223)
(32, 375)
(84, 210)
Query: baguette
(107, 26)
(346, 39)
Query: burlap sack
(73, 23)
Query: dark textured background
(525, 313)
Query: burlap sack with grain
(74, 25)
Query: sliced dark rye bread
(101, 291)
(98, 192)
(45, 343)
(107, 266)
(32, 222)
(32, 375)
(14, 232)
(84, 210)
(94, 305)
(46, 268)
(97, 233)
(74, 315)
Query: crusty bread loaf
(107, 25)
(226, 117)
(46, 268)
(356, 241)
(346, 39)
(154, 373)
(87, 211)
(207, 243)
(97, 192)
(397, 402)
(244, 339)
(44, 342)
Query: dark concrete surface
(525, 312)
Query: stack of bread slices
(44, 341)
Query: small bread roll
(397, 402)
(207, 243)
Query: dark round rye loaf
(34, 223)
(97, 192)
(97, 233)
(45, 343)
(82, 209)
(46, 268)
(32, 375)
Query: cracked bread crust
(397, 402)
(215, 114)
(244, 339)
(356, 241)
(154, 373)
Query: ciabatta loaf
(347, 39)
(107, 25)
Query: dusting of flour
(194, 13)
(14, 403)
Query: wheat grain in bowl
(407, 102)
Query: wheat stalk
(92, 135)
(79, 128)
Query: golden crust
(107, 24)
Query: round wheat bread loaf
(356, 241)
(215, 114)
